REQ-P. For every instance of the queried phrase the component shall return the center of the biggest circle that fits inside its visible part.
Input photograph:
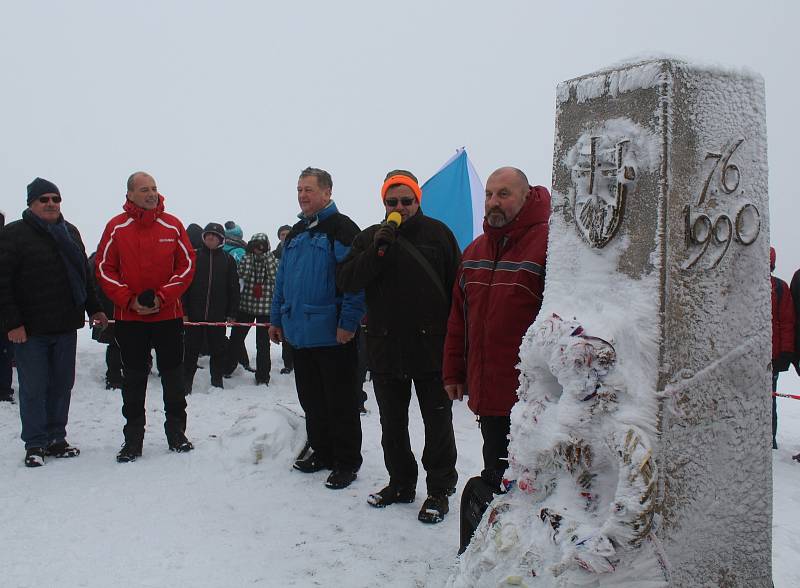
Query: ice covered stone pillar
(641, 442)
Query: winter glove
(147, 298)
(782, 362)
(384, 236)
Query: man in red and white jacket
(144, 264)
(496, 297)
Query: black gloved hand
(782, 362)
(384, 236)
(147, 298)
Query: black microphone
(393, 219)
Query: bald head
(507, 190)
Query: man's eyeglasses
(404, 201)
(46, 199)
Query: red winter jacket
(496, 297)
(782, 318)
(145, 250)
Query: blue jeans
(6, 353)
(46, 372)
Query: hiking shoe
(340, 479)
(247, 368)
(796, 457)
(7, 397)
(62, 449)
(312, 463)
(433, 509)
(260, 381)
(34, 457)
(179, 443)
(217, 383)
(129, 452)
(391, 494)
(286, 370)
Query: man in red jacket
(783, 319)
(496, 297)
(144, 264)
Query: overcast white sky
(225, 102)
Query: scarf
(71, 254)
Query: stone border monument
(640, 446)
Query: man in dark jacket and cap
(407, 270)
(212, 297)
(45, 288)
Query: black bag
(475, 499)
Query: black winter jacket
(34, 286)
(214, 293)
(406, 312)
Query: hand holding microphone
(385, 236)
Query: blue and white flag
(455, 195)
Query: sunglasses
(404, 201)
(46, 199)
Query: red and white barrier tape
(211, 324)
(795, 396)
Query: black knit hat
(40, 187)
(282, 229)
(214, 229)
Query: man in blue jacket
(319, 322)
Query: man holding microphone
(407, 266)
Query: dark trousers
(135, 340)
(6, 353)
(495, 430)
(439, 455)
(328, 390)
(286, 355)
(237, 352)
(46, 371)
(217, 347)
(113, 363)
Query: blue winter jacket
(306, 303)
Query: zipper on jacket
(210, 273)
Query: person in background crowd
(282, 233)
(213, 297)
(106, 336)
(144, 264)
(286, 347)
(407, 272)
(195, 233)
(235, 245)
(6, 391)
(257, 271)
(497, 296)
(320, 322)
(783, 335)
(45, 289)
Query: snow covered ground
(233, 513)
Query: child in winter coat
(212, 297)
(257, 270)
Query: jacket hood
(260, 238)
(535, 210)
(147, 217)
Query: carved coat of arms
(601, 173)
